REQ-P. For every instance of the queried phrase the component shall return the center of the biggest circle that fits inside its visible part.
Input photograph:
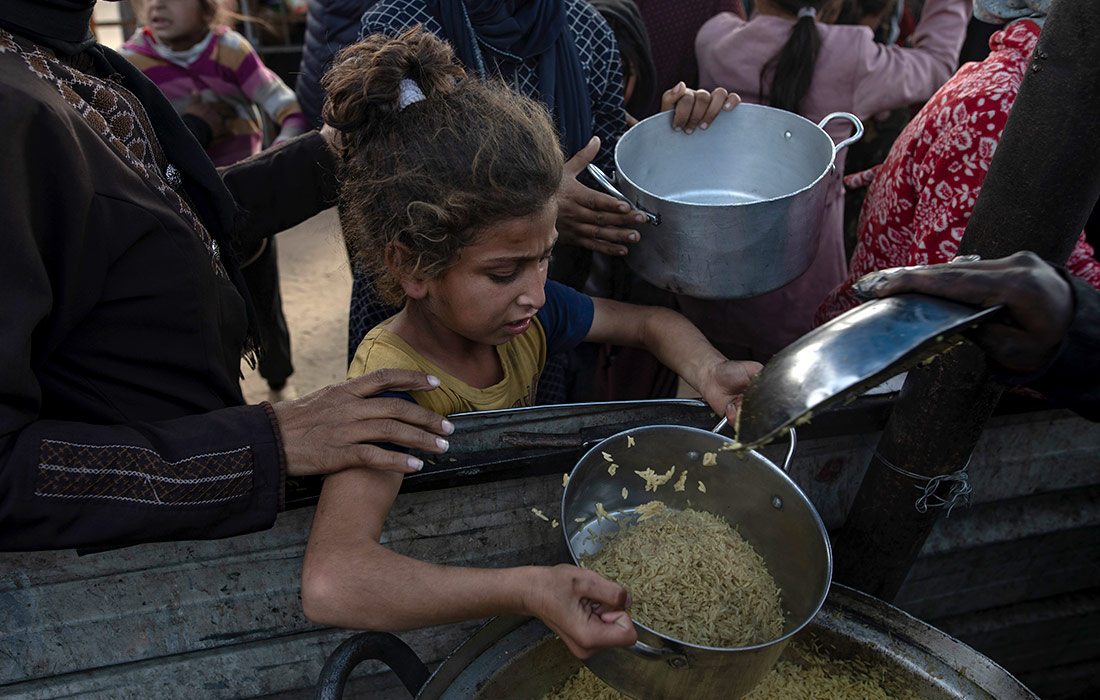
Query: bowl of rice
(724, 556)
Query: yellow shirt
(522, 359)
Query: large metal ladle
(845, 357)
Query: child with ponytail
(787, 56)
(449, 192)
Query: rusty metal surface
(222, 619)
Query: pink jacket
(852, 74)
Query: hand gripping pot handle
(856, 124)
(605, 182)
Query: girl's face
(494, 290)
(178, 24)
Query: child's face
(494, 290)
(178, 24)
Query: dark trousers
(261, 274)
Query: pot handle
(382, 646)
(790, 449)
(605, 182)
(674, 658)
(856, 123)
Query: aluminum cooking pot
(733, 211)
(518, 658)
(769, 510)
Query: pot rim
(620, 173)
(798, 490)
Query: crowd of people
(452, 136)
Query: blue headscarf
(516, 30)
(1005, 11)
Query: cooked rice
(630, 441)
(693, 578)
(710, 459)
(612, 469)
(681, 483)
(653, 479)
(649, 510)
(601, 513)
(539, 514)
(815, 675)
(702, 487)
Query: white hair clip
(807, 12)
(410, 93)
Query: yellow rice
(693, 578)
(813, 675)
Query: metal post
(1042, 183)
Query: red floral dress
(920, 199)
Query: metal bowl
(769, 510)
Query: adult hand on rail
(1039, 303)
(696, 108)
(586, 610)
(592, 219)
(341, 425)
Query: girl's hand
(592, 219)
(696, 108)
(726, 383)
(586, 610)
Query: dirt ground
(316, 286)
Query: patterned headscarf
(1005, 11)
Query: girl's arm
(350, 580)
(889, 77)
(677, 343)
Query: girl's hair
(794, 64)
(418, 184)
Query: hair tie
(410, 93)
(807, 11)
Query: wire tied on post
(959, 492)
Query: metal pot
(520, 659)
(733, 211)
(769, 510)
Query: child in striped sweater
(208, 70)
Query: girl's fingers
(699, 108)
(717, 103)
(682, 112)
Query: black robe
(121, 328)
